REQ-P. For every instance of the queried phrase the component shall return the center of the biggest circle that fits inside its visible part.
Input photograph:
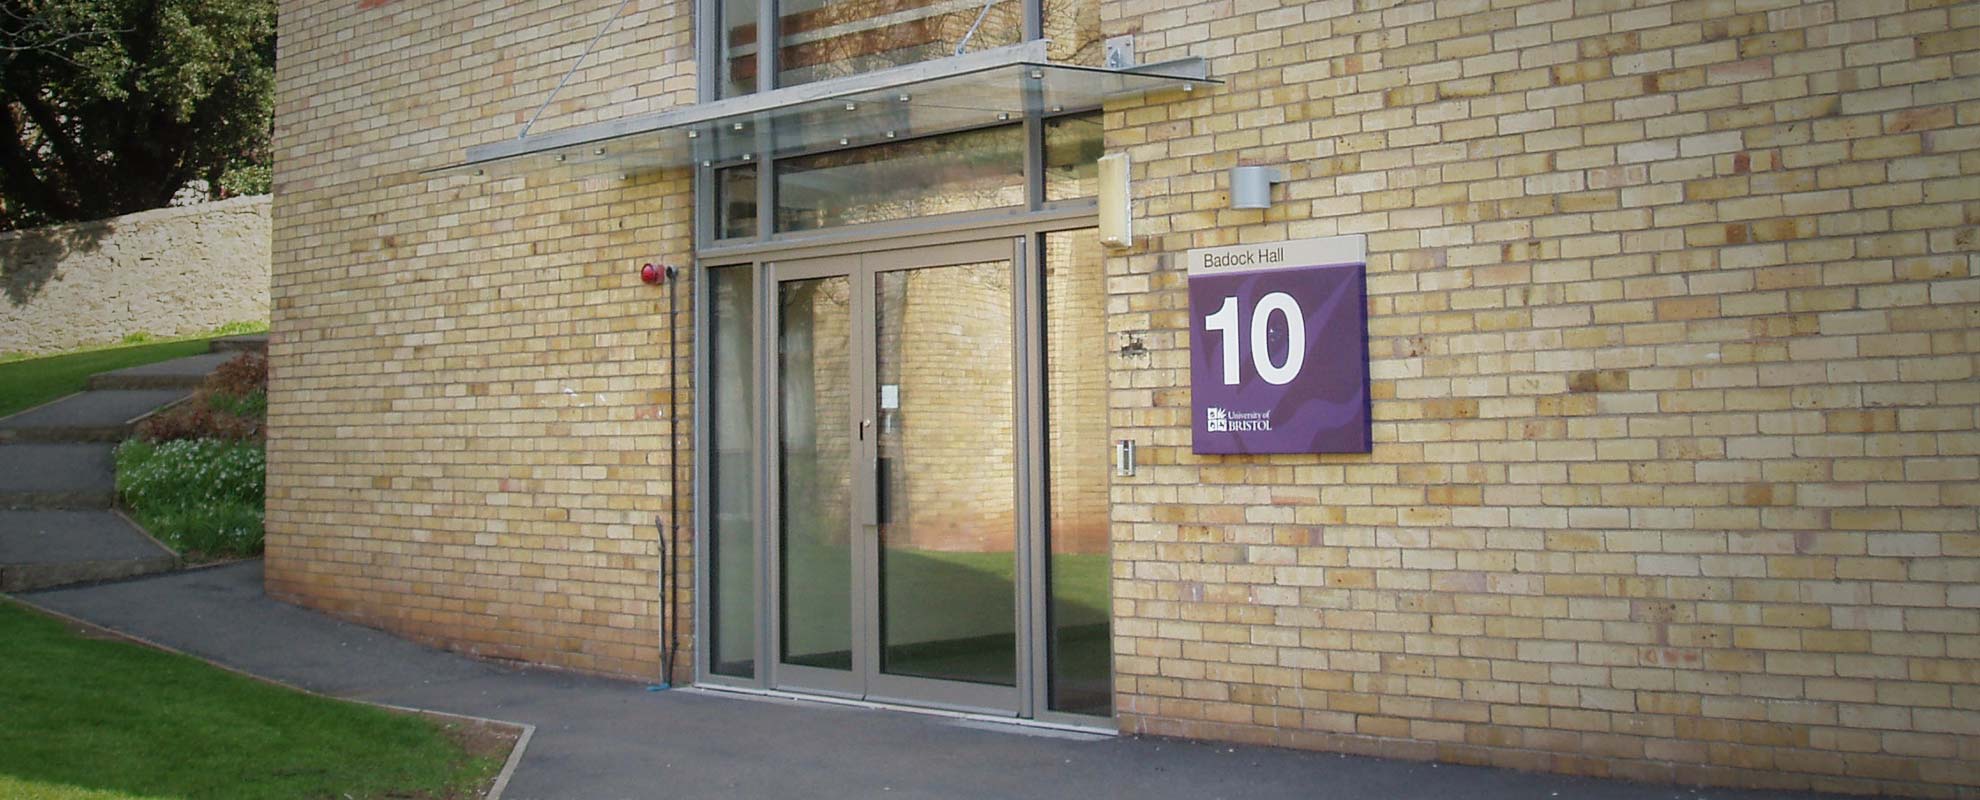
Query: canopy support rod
(574, 67)
(974, 25)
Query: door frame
(1030, 231)
(849, 683)
(866, 680)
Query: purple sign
(1278, 349)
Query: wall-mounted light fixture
(1116, 214)
(1124, 458)
(1251, 187)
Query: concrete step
(253, 342)
(99, 416)
(57, 476)
(179, 373)
(40, 549)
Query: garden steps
(250, 343)
(179, 373)
(98, 416)
(58, 475)
(40, 549)
(50, 476)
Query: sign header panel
(1295, 254)
(1278, 347)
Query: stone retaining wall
(164, 272)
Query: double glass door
(898, 549)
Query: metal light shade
(1251, 187)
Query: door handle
(872, 501)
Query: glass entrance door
(818, 535)
(898, 550)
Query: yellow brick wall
(469, 415)
(1673, 326)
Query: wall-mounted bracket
(1120, 52)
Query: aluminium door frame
(1031, 229)
(865, 680)
(957, 695)
(850, 683)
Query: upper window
(972, 170)
(966, 171)
(818, 39)
(736, 25)
(1042, 156)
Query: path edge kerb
(495, 790)
(178, 559)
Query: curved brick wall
(470, 410)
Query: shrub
(250, 406)
(246, 179)
(194, 420)
(201, 496)
(242, 375)
(195, 475)
(230, 404)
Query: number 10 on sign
(1225, 321)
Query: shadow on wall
(160, 272)
(29, 258)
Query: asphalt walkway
(599, 739)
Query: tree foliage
(113, 106)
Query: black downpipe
(666, 611)
(670, 531)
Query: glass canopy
(952, 94)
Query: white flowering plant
(201, 496)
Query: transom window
(818, 39)
(1042, 158)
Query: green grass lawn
(30, 382)
(85, 718)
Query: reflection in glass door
(815, 475)
(947, 472)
